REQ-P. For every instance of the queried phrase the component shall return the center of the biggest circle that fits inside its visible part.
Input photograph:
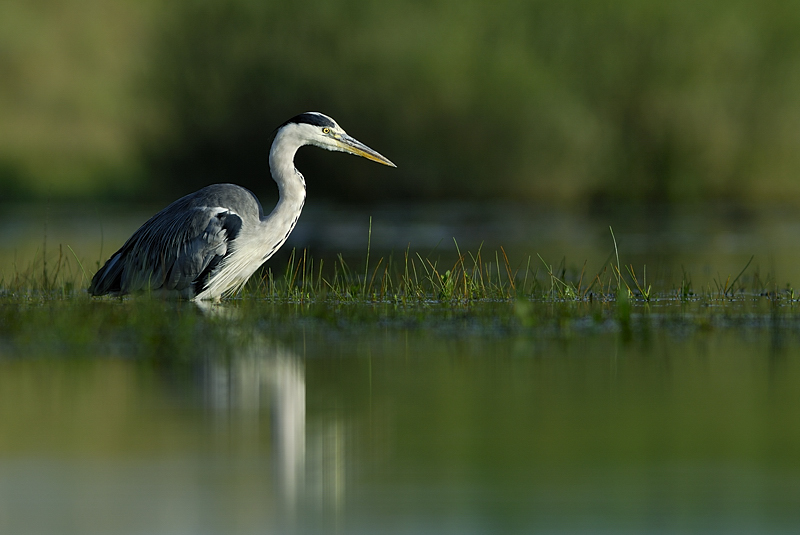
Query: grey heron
(207, 244)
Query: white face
(333, 137)
(327, 134)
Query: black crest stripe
(314, 119)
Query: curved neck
(291, 185)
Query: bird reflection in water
(266, 379)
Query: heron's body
(208, 243)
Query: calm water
(135, 418)
(439, 422)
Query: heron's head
(314, 128)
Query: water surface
(271, 418)
(677, 416)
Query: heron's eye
(326, 130)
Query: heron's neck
(291, 185)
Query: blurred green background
(579, 102)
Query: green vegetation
(472, 278)
(582, 101)
(45, 310)
(485, 292)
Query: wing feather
(176, 250)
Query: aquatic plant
(421, 279)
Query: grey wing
(176, 250)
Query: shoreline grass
(45, 308)
(473, 277)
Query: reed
(414, 278)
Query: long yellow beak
(354, 146)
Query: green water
(147, 417)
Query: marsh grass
(411, 278)
(476, 277)
(44, 308)
(57, 275)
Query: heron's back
(177, 250)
